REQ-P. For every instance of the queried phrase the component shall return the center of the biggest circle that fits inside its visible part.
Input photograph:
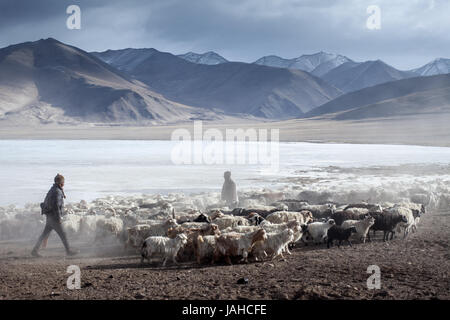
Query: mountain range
(47, 81)
(418, 95)
(353, 76)
(233, 87)
(318, 64)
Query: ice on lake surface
(99, 168)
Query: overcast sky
(413, 32)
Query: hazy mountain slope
(435, 67)
(233, 87)
(47, 80)
(317, 63)
(429, 102)
(353, 76)
(209, 58)
(414, 95)
(126, 59)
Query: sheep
(194, 225)
(358, 211)
(339, 233)
(129, 219)
(164, 246)
(88, 225)
(205, 247)
(284, 216)
(214, 214)
(320, 210)
(236, 244)
(191, 216)
(241, 229)
(340, 216)
(362, 226)
(410, 218)
(160, 228)
(414, 207)
(137, 235)
(255, 219)
(386, 205)
(277, 227)
(71, 224)
(292, 204)
(274, 245)
(317, 231)
(166, 211)
(230, 221)
(263, 211)
(369, 207)
(111, 226)
(188, 251)
(202, 218)
(10, 229)
(386, 221)
(106, 211)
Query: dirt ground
(414, 268)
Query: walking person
(53, 208)
(229, 193)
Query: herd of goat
(167, 230)
(268, 232)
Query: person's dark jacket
(53, 204)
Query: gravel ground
(414, 268)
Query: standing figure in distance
(53, 208)
(229, 194)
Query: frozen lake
(99, 168)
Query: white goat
(111, 226)
(362, 226)
(230, 221)
(278, 227)
(160, 228)
(238, 244)
(275, 244)
(285, 216)
(317, 231)
(137, 235)
(71, 224)
(241, 229)
(162, 246)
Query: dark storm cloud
(412, 31)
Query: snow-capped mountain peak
(317, 63)
(435, 67)
(209, 58)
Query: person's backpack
(44, 207)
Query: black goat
(339, 233)
(387, 222)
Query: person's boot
(35, 254)
(72, 252)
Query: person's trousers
(52, 224)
